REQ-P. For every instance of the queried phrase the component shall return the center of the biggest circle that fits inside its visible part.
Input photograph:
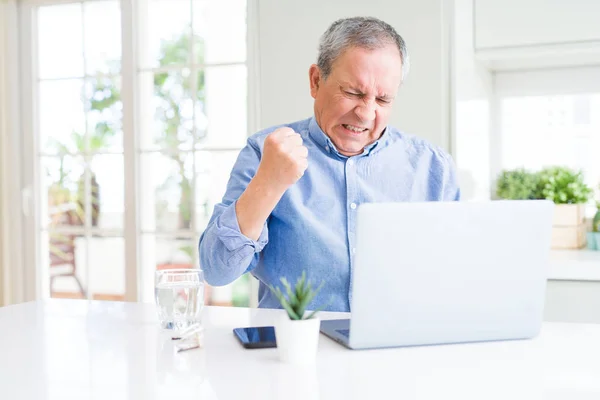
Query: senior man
(291, 201)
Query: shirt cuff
(228, 230)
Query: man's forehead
(385, 86)
(384, 76)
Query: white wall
(288, 38)
(536, 34)
(472, 96)
(519, 23)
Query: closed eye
(353, 94)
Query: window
(80, 148)
(550, 117)
(192, 83)
(189, 107)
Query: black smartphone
(260, 337)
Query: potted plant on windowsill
(516, 184)
(296, 331)
(567, 189)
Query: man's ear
(314, 75)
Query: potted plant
(517, 184)
(296, 331)
(567, 189)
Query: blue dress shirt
(312, 227)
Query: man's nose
(365, 111)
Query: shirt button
(353, 206)
(353, 250)
(350, 162)
(327, 148)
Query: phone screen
(259, 337)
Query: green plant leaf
(298, 298)
(284, 303)
(517, 184)
(562, 185)
(303, 304)
(300, 283)
(291, 296)
(310, 295)
(291, 313)
(596, 220)
(321, 308)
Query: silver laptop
(446, 272)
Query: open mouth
(353, 129)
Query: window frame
(12, 281)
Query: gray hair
(364, 32)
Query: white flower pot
(297, 341)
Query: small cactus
(297, 299)
(596, 220)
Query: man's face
(352, 106)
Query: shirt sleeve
(225, 253)
(451, 188)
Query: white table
(75, 349)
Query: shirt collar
(317, 134)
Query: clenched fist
(284, 158)
(283, 162)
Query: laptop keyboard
(344, 332)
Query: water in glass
(179, 298)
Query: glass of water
(179, 295)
